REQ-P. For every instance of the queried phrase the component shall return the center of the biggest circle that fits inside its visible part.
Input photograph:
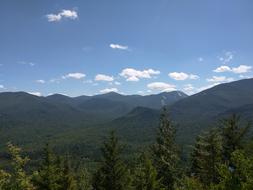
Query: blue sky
(129, 46)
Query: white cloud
(68, 14)
(222, 69)
(161, 86)
(219, 79)
(135, 75)
(227, 57)
(189, 89)
(41, 81)
(26, 63)
(74, 76)
(107, 90)
(242, 69)
(101, 77)
(182, 76)
(1, 86)
(35, 93)
(238, 70)
(117, 46)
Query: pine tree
(84, 179)
(48, 177)
(206, 157)
(5, 180)
(19, 178)
(145, 177)
(232, 135)
(238, 177)
(165, 152)
(68, 181)
(113, 173)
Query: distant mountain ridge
(78, 122)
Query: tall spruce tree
(232, 135)
(206, 157)
(113, 173)
(145, 176)
(165, 152)
(49, 175)
(19, 178)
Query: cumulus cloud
(242, 69)
(219, 79)
(161, 86)
(227, 57)
(135, 75)
(35, 93)
(222, 69)
(107, 90)
(238, 70)
(182, 76)
(118, 46)
(41, 81)
(67, 14)
(101, 77)
(74, 76)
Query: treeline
(218, 161)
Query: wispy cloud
(182, 76)
(220, 79)
(102, 77)
(135, 75)
(161, 86)
(26, 63)
(1, 86)
(227, 57)
(67, 14)
(74, 76)
(118, 46)
(40, 81)
(107, 90)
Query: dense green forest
(220, 159)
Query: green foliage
(238, 177)
(19, 178)
(165, 152)
(113, 173)
(145, 176)
(49, 175)
(190, 183)
(232, 135)
(206, 157)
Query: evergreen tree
(145, 177)
(68, 181)
(113, 173)
(190, 183)
(240, 177)
(19, 178)
(165, 152)
(49, 176)
(232, 135)
(84, 179)
(5, 179)
(206, 157)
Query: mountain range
(79, 123)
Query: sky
(87, 47)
